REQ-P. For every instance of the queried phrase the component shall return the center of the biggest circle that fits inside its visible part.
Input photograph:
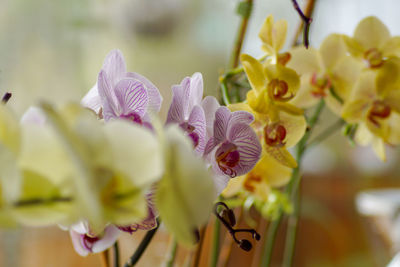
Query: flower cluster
(109, 165)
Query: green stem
(291, 189)
(172, 254)
(116, 254)
(294, 193)
(142, 247)
(216, 243)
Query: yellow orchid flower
(373, 45)
(279, 135)
(272, 87)
(327, 73)
(376, 112)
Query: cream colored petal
(379, 148)
(371, 33)
(304, 61)
(388, 77)
(304, 97)
(281, 155)
(391, 47)
(332, 50)
(353, 46)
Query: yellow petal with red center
(388, 76)
(254, 71)
(304, 61)
(281, 155)
(371, 33)
(332, 50)
(391, 47)
(295, 128)
(282, 73)
(379, 129)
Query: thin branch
(142, 247)
(41, 201)
(305, 23)
(116, 254)
(199, 247)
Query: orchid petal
(132, 96)
(92, 100)
(115, 67)
(196, 90)
(241, 117)
(248, 146)
(222, 117)
(332, 50)
(304, 60)
(281, 155)
(210, 105)
(198, 121)
(155, 98)
(107, 96)
(176, 112)
(254, 71)
(371, 33)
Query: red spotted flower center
(274, 135)
(279, 90)
(320, 83)
(228, 158)
(379, 110)
(251, 182)
(189, 130)
(373, 58)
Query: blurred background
(53, 50)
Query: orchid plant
(110, 165)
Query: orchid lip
(274, 135)
(320, 83)
(379, 110)
(88, 241)
(228, 157)
(189, 130)
(132, 116)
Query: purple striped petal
(246, 141)
(222, 117)
(115, 67)
(220, 182)
(132, 97)
(176, 109)
(241, 117)
(209, 146)
(210, 106)
(198, 121)
(107, 96)
(155, 98)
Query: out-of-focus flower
(122, 94)
(373, 45)
(85, 242)
(327, 73)
(234, 148)
(185, 194)
(376, 112)
(114, 163)
(187, 112)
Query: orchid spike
(234, 149)
(187, 112)
(122, 94)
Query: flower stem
(199, 247)
(142, 246)
(104, 258)
(326, 133)
(244, 9)
(216, 242)
(305, 22)
(172, 254)
(116, 254)
(291, 189)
